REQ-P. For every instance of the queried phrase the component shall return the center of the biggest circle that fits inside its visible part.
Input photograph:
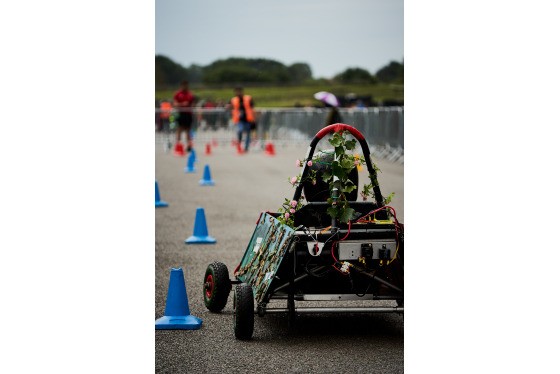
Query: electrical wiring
(337, 269)
(365, 292)
(397, 226)
(336, 241)
(310, 234)
(332, 249)
(314, 236)
(315, 239)
(396, 251)
(398, 245)
(362, 219)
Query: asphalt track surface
(246, 185)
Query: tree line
(236, 70)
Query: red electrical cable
(332, 247)
(339, 270)
(377, 210)
(361, 220)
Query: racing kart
(318, 258)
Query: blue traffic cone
(177, 313)
(193, 153)
(200, 232)
(190, 163)
(206, 178)
(158, 201)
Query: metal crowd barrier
(383, 127)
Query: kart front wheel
(243, 311)
(217, 286)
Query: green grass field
(273, 97)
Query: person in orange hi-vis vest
(165, 108)
(243, 115)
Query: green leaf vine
(343, 163)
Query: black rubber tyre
(216, 286)
(243, 311)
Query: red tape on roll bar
(337, 127)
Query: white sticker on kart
(257, 245)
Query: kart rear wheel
(243, 311)
(216, 286)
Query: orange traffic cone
(208, 149)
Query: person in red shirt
(183, 101)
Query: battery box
(381, 249)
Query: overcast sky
(329, 35)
